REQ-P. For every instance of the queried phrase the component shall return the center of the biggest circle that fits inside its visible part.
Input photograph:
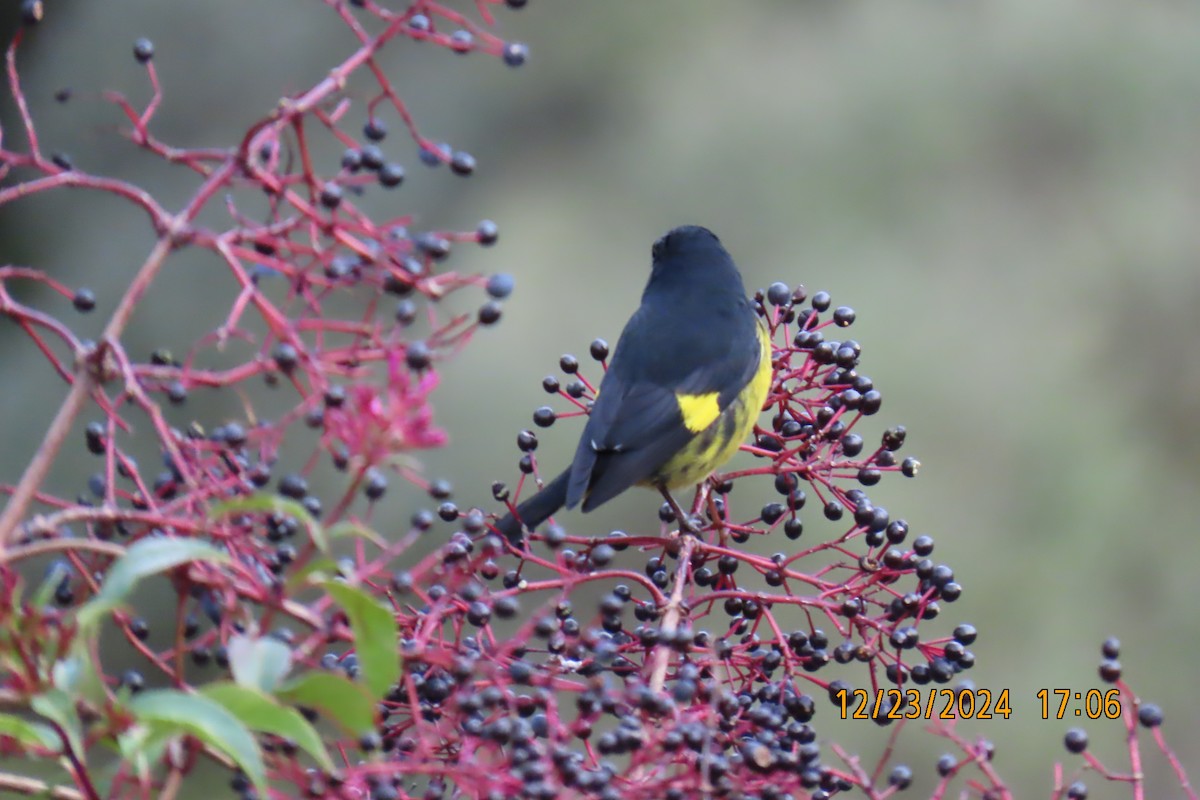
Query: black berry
(143, 50)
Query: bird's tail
(535, 510)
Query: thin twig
(662, 654)
(35, 474)
(32, 787)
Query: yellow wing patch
(698, 410)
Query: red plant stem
(662, 654)
(77, 767)
(81, 387)
(1176, 767)
(36, 472)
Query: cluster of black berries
(735, 709)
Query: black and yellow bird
(683, 389)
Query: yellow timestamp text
(923, 704)
(1093, 703)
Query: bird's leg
(703, 495)
(708, 494)
(710, 498)
(685, 523)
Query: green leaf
(260, 712)
(274, 504)
(54, 576)
(376, 636)
(345, 530)
(66, 673)
(208, 721)
(76, 674)
(140, 747)
(30, 734)
(316, 570)
(259, 663)
(336, 696)
(91, 612)
(58, 706)
(144, 557)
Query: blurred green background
(1007, 191)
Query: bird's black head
(684, 240)
(693, 256)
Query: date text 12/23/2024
(951, 704)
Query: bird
(684, 387)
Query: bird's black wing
(636, 424)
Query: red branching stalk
(317, 242)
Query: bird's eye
(660, 247)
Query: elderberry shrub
(672, 661)
(654, 672)
(238, 501)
